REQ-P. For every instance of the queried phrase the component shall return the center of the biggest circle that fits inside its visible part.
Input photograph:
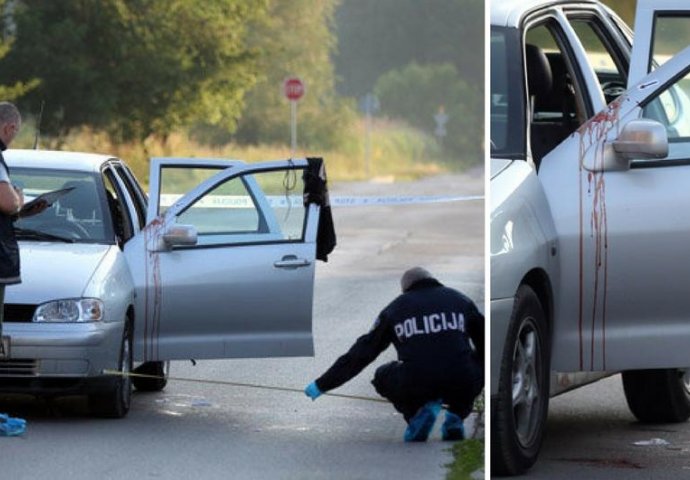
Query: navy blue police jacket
(430, 326)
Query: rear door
(244, 286)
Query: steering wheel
(613, 89)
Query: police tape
(282, 201)
(337, 201)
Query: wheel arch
(538, 280)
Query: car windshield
(81, 215)
(507, 116)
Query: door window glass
(608, 68)
(671, 107)
(671, 35)
(251, 208)
(556, 100)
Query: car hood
(52, 270)
(498, 165)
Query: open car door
(618, 192)
(225, 266)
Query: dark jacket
(9, 250)
(430, 326)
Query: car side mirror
(176, 236)
(641, 139)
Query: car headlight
(70, 310)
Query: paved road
(205, 431)
(592, 435)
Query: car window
(671, 35)
(135, 192)
(556, 100)
(253, 208)
(671, 107)
(80, 215)
(117, 206)
(506, 100)
(608, 65)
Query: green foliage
(134, 67)
(382, 35)
(296, 39)
(17, 89)
(418, 92)
(468, 457)
(624, 8)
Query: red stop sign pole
(293, 88)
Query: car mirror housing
(641, 139)
(176, 236)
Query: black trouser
(409, 388)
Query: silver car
(589, 225)
(217, 263)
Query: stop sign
(293, 88)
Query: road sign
(293, 88)
(441, 119)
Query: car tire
(160, 370)
(658, 396)
(520, 407)
(116, 401)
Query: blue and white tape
(281, 201)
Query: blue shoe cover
(420, 425)
(11, 427)
(453, 428)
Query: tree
(416, 93)
(378, 36)
(296, 38)
(18, 89)
(134, 67)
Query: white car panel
(621, 235)
(222, 300)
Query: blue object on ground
(453, 428)
(312, 391)
(11, 427)
(419, 426)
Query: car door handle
(291, 261)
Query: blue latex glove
(11, 427)
(312, 391)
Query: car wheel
(658, 396)
(115, 402)
(160, 370)
(519, 412)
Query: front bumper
(60, 357)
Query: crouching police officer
(430, 326)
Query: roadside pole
(293, 88)
(370, 105)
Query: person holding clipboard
(11, 203)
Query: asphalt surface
(209, 431)
(592, 435)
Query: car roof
(509, 13)
(88, 162)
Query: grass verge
(394, 150)
(468, 457)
